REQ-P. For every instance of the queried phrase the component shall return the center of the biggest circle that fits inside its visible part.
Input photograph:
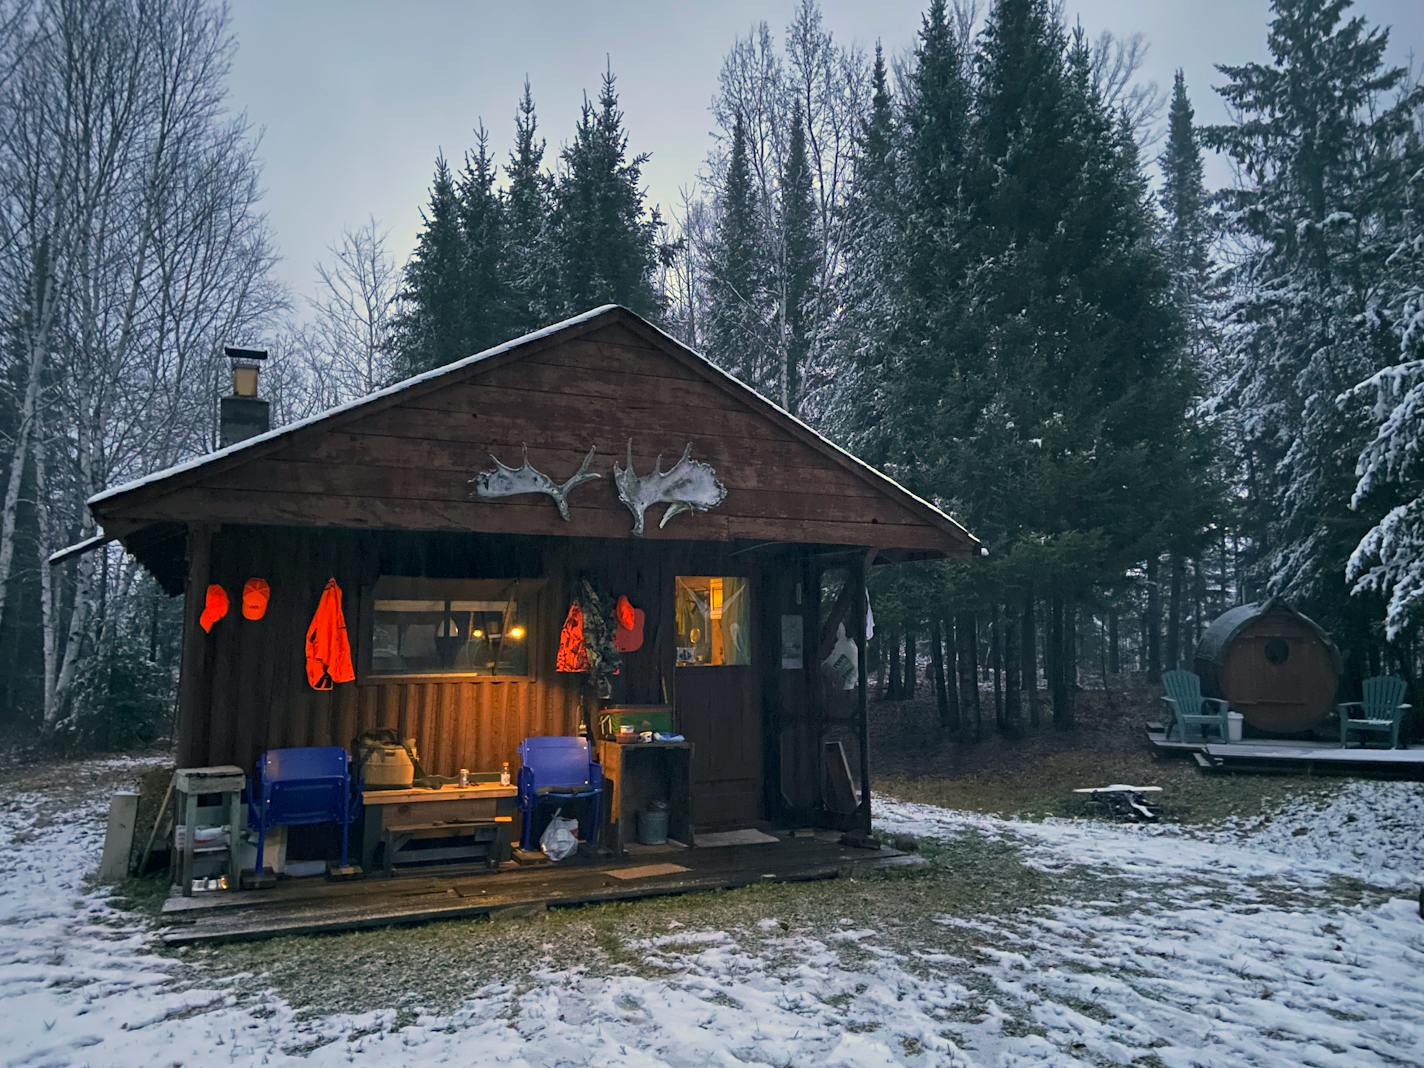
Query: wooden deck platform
(307, 906)
(1293, 754)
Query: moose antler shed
(506, 481)
(689, 485)
(686, 486)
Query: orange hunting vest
(328, 648)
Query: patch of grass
(1033, 776)
(1043, 786)
(143, 894)
(437, 966)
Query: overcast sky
(354, 99)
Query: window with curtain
(713, 615)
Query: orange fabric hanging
(573, 653)
(214, 607)
(328, 648)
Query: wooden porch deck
(1292, 754)
(313, 905)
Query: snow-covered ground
(1291, 942)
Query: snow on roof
(399, 387)
(469, 361)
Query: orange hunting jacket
(328, 648)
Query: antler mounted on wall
(689, 484)
(506, 481)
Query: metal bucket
(653, 825)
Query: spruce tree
(1184, 201)
(1322, 195)
(935, 339)
(527, 206)
(871, 287)
(604, 245)
(484, 287)
(430, 328)
(1389, 560)
(1206, 441)
(736, 286)
(798, 265)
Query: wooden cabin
(743, 599)
(1275, 666)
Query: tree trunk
(951, 674)
(892, 691)
(1028, 649)
(37, 349)
(912, 653)
(1114, 648)
(1198, 604)
(1013, 707)
(968, 644)
(1175, 612)
(1152, 622)
(1060, 662)
(937, 674)
(996, 663)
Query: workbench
(397, 812)
(639, 773)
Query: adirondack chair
(1381, 712)
(1191, 712)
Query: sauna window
(713, 621)
(456, 628)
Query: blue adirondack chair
(1381, 712)
(556, 770)
(1191, 712)
(294, 787)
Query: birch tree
(352, 316)
(133, 248)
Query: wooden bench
(468, 840)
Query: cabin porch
(316, 905)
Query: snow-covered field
(1292, 942)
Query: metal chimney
(243, 414)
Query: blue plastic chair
(293, 787)
(557, 769)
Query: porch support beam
(859, 602)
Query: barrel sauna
(1274, 665)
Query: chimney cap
(234, 353)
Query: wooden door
(718, 700)
(718, 711)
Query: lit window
(713, 615)
(451, 627)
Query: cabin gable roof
(402, 458)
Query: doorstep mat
(745, 836)
(647, 871)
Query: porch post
(193, 695)
(857, 630)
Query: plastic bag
(560, 838)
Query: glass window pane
(477, 628)
(713, 621)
